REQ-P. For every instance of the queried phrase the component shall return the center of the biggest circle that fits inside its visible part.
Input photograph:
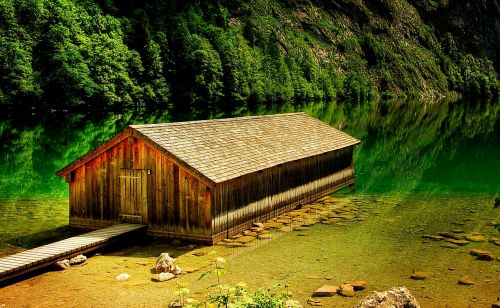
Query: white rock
(77, 260)
(163, 277)
(395, 297)
(123, 276)
(64, 264)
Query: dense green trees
(220, 55)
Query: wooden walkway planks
(30, 260)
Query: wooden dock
(30, 260)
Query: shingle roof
(228, 148)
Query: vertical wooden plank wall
(264, 194)
(178, 203)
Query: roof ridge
(243, 118)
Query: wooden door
(133, 195)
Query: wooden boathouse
(207, 180)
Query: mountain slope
(212, 55)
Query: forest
(230, 55)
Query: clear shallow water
(422, 168)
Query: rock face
(165, 264)
(326, 291)
(397, 297)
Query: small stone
(258, 225)
(256, 230)
(420, 275)
(284, 221)
(359, 285)
(233, 245)
(495, 240)
(465, 280)
(346, 290)
(245, 239)
(458, 231)
(436, 238)
(265, 236)
(233, 237)
(476, 238)
(483, 254)
(450, 245)
(162, 277)
(189, 270)
(249, 233)
(313, 302)
(309, 222)
(300, 229)
(204, 252)
(273, 225)
(77, 260)
(123, 276)
(226, 240)
(301, 234)
(63, 264)
(458, 242)
(326, 291)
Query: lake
(423, 168)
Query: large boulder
(397, 297)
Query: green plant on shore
(228, 296)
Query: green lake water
(422, 168)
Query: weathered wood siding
(271, 192)
(134, 182)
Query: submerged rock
(77, 260)
(476, 238)
(450, 245)
(482, 254)
(245, 239)
(326, 291)
(458, 242)
(397, 297)
(465, 281)
(420, 275)
(495, 240)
